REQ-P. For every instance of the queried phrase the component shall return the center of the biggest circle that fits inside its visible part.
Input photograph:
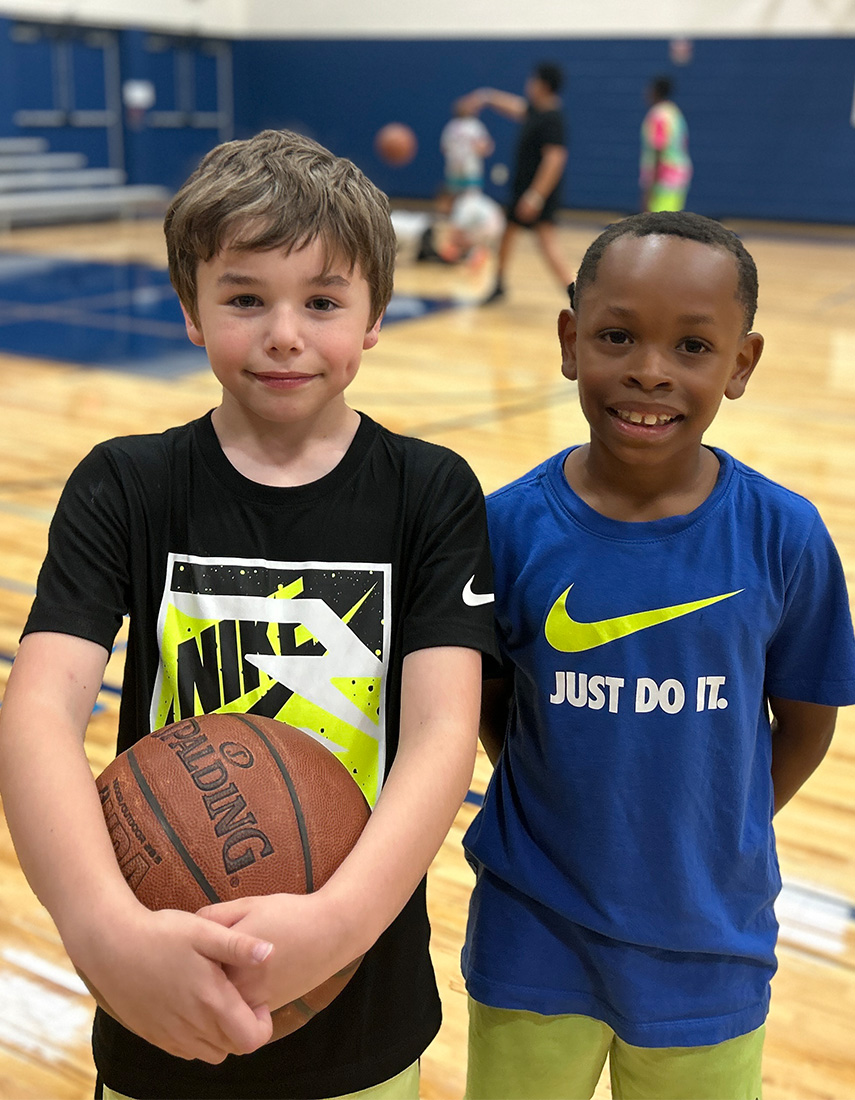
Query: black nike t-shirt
(233, 589)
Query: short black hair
(551, 74)
(662, 87)
(679, 223)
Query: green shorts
(662, 197)
(523, 1056)
(405, 1086)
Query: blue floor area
(112, 316)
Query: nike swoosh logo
(567, 635)
(475, 599)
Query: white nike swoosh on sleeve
(476, 599)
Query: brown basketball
(232, 805)
(396, 144)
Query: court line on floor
(26, 511)
(16, 312)
(493, 415)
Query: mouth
(645, 419)
(282, 381)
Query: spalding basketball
(396, 144)
(225, 806)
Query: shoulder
(418, 458)
(124, 462)
(147, 448)
(772, 515)
(552, 124)
(755, 490)
(526, 484)
(509, 508)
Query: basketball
(225, 806)
(396, 144)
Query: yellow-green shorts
(524, 1056)
(662, 197)
(405, 1086)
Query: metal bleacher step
(21, 208)
(40, 162)
(17, 145)
(43, 181)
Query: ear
(373, 334)
(746, 361)
(567, 338)
(194, 332)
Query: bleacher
(40, 187)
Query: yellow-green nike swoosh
(569, 636)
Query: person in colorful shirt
(666, 167)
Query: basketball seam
(295, 800)
(156, 808)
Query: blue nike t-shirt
(625, 853)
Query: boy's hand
(311, 945)
(162, 975)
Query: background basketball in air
(230, 805)
(396, 144)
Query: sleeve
(659, 136)
(552, 129)
(83, 584)
(811, 657)
(450, 599)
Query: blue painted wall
(770, 127)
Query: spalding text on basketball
(133, 861)
(243, 841)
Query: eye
(322, 305)
(615, 336)
(694, 346)
(245, 301)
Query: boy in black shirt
(283, 555)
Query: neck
(640, 493)
(284, 455)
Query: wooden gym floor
(486, 382)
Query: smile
(650, 420)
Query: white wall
(225, 18)
(548, 18)
(451, 18)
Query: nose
(284, 332)
(649, 370)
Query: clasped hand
(164, 976)
(309, 945)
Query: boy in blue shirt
(283, 555)
(676, 639)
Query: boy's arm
(801, 734)
(319, 934)
(495, 707)
(504, 103)
(161, 972)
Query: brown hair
(280, 190)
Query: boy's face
(656, 342)
(284, 333)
